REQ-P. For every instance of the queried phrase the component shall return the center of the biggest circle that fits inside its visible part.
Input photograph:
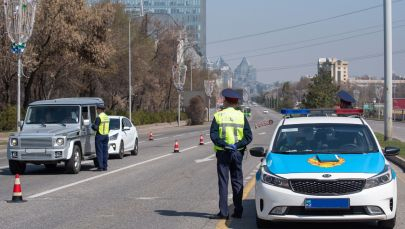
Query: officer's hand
(231, 147)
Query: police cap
(231, 94)
(101, 106)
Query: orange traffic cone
(150, 136)
(17, 191)
(201, 140)
(176, 147)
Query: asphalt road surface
(398, 128)
(156, 189)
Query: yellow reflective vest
(231, 123)
(104, 126)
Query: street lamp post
(209, 88)
(129, 71)
(20, 17)
(179, 78)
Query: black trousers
(102, 150)
(229, 162)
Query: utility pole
(191, 76)
(129, 70)
(388, 69)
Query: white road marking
(96, 177)
(192, 147)
(142, 141)
(178, 135)
(262, 133)
(147, 198)
(209, 158)
(248, 178)
(207, 134)
(4, 167)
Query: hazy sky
(287, 55)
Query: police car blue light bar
(295, 111)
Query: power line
(302, 41)
(312, 45)
(298, 25)
(353, 59)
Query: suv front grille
(326, 187)
(36, 142)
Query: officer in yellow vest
(102, 126)
(231, 133)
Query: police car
(322, 169)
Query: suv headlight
(114, 137)
(59, 142)
(13, 141)
(383, 178)
(274, 180)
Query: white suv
(325, 169)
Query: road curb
(398, 161)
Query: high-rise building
(189, 13)
(338, 69)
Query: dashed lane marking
(262, 133)
(96, 177)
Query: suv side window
(93, 113)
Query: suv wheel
(387, 224)
(121, 152)
(73, 165)
(16, 167)
(134, 152)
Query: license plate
(327, 203)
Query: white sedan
(123, 137)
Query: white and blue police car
(328, 168)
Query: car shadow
(186, 214)
(41, 170)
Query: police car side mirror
(391, 151)
(257, 152)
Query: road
(398, 128)
(156, 189)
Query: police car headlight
(383, 178)
(13, 142)
(59, 142)
(114, 137)
(274, 180)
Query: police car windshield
(114, 124)
(324, 138)
(52, 115)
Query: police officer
(231, 133)
(102, 126)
